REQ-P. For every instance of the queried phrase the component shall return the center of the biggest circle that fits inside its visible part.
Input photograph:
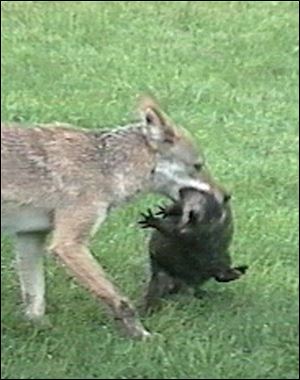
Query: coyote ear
(157, 127)
(153, 116)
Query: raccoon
(190, 244)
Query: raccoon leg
(159, 285)
(160, 224)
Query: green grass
(228, 71)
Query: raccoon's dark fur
(190, 244)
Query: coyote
(62, 180)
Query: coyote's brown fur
(63, 180)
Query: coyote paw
(130, 324)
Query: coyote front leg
(70, 245)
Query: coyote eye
(198, 167)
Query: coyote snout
(170, 177)
(59, 179)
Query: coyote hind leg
(30, 251)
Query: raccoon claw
(149, 220)
(231, 274)
(162, 210)
(242, 269)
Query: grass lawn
(228, 71)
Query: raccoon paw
(149, 220)
(231, 274)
